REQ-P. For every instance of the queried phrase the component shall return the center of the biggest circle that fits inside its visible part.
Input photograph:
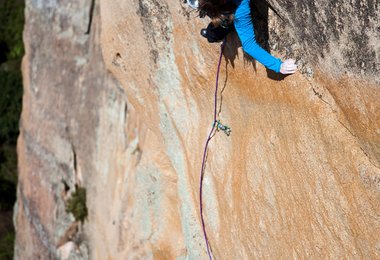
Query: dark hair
(215, 8)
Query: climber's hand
(288, 67)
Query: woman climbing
(225, 15)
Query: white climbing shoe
(193, 3)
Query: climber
(229, 14)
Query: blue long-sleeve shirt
(244, 28)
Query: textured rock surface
(68, 95)
(337, 36)
(298, 178)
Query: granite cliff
(118, 100)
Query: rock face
(298, 177)
(340, 37)
(68, 95)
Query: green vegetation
(11, 52)
(6, 245)
(77, 204)
(11, 27)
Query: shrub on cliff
(77, 204)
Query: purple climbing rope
(205, 150)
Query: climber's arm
(244, 28)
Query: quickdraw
(225, 128)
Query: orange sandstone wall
(299, 176)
